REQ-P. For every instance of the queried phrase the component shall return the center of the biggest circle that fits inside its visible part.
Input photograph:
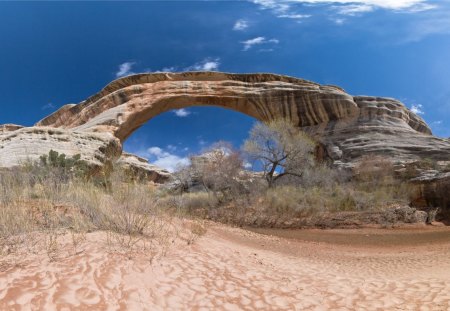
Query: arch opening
(171, 137)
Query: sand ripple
(231, 269)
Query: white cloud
(354, 9)
(247, 165)
(169, 69)
(338, 21)
(406, 5)
(422, 7)
(207, 64)
(439, 122)
(286, 8)
(156, 151)
(276, 5)
(294, 16)
(240, 25)
(417, 109)
(248, 44)
(182, 112)
(432, 20)
(125, 69)
(167, 160)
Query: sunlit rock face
(347, 126)
(140, 168)
(27, 144)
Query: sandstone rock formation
(140, 167)
(28, 144)
(433, 190)
(347, 126)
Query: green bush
(72, 166)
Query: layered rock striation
(347, 126)
(141, 168)
(26, 144)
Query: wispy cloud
(207, 64)
(169, 69)
(181, 113)
(354, 9)
(241, 24)
(428, 17)
(294, 16)
(338, 21)
(280, 6)
(417, 109)
(248, 44)
(432, 23)
(125, 69)
(48, 106)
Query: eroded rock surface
(347, 126)
(28, 144)
(433, 190)
(142, 169)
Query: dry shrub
(302, 202)
(217, 171)
(15, 223)
(373, 171)
(189, 203)
(197, 229)
(52, 205)
(376, 186)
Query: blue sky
(54, 53)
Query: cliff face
(18, 146)
(347, 126)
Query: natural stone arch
(348, 126)
(125, 104)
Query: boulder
(144, 170)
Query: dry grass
(302, 202)
(136, 216)
(49, 206)
(187, 204)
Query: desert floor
(234, 269)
